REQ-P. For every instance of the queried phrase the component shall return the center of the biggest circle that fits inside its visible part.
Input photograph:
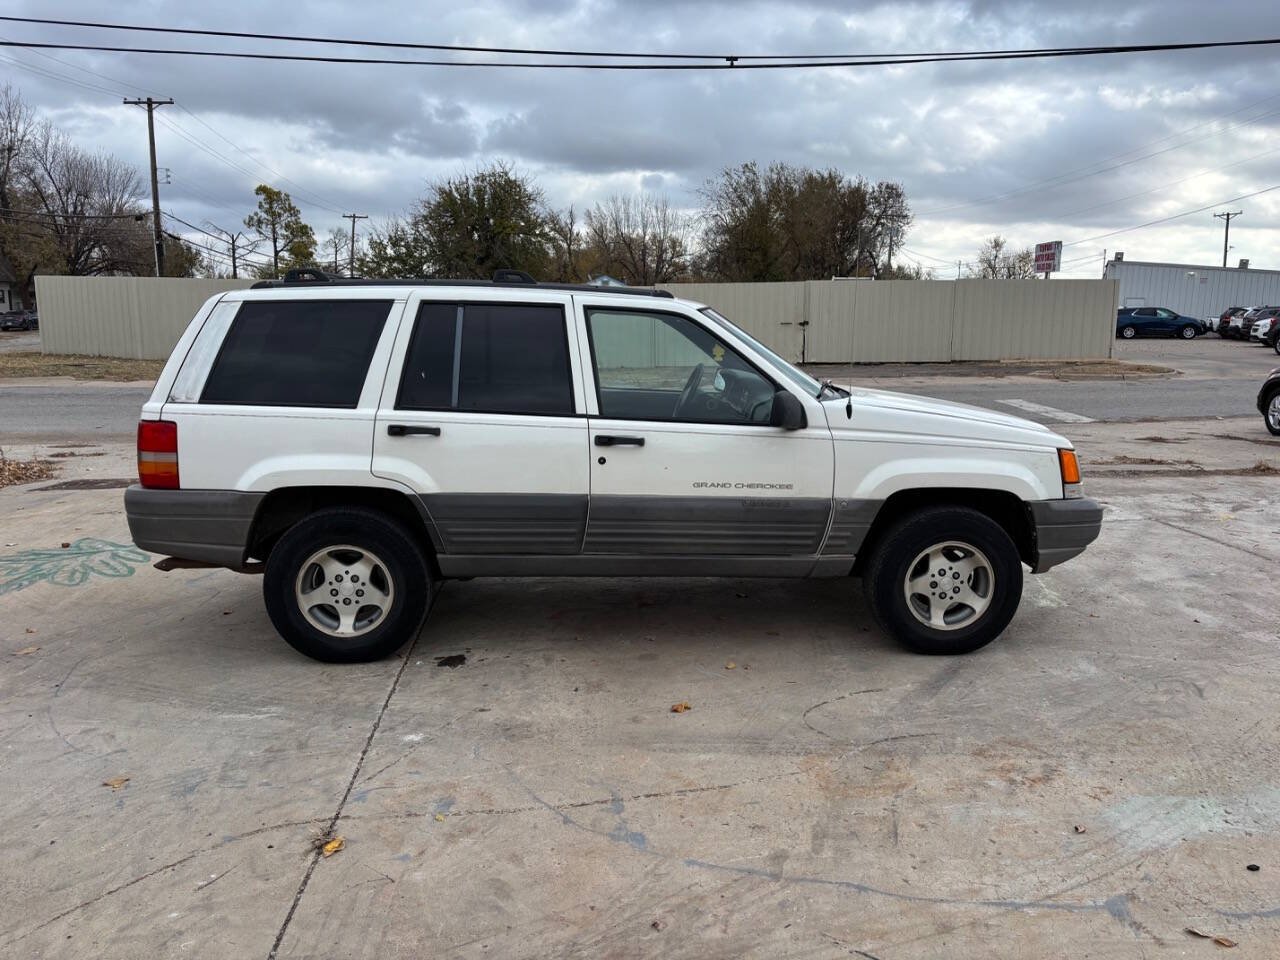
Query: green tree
(476, 223)
(395, 248)
(794, 223)
(278, 222)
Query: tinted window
(511, 358)
(427, 383)
(1145, 312)
(297, 353)
(658, 366)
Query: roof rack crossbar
(310, 277)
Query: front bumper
(1062, 529)
(211, 526)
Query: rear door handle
(605, 440)
(405, 430)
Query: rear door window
(297, 353)
(488, 358)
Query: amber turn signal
(1070, 467)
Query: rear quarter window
(297, 353)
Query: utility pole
(150, 103)
(1226, 233)
(351, 253)
(232, 241)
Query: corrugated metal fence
(920, 321)
(839, 321)
(137, 317)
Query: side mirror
(788, 412)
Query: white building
(1192, 290)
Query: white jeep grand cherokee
(358, 442)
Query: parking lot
(516, 784)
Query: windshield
(801, 379)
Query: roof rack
(310, 276)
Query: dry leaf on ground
(1219, 939)
(333, 846)
(680, 707)
(25, 651)
(115, 783)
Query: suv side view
(359, 442)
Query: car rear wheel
(1188, 332)
(1128, 332)
(1271, 412)
(944, 580)
(347, 585)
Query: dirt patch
(1260, 469)
(63, 454)
(31, 364)
(1165, 439)
(25, 471)
(97, 483)
(1141, 462)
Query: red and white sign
(1049, 256)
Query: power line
(1176, 216)
(731, 61)
(1063, 179)
(302, 194)
(534, 51)
(463, 48)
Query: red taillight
(158, 454)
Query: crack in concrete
(337, 814)
(1221, 543)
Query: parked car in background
(1220, 327)
(1269, 401)
(1263, 323)
(19, 320)
(1238, 327)
(1272, 337)
(1156, 322)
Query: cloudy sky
(1068, 149)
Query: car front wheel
(944, 580)
(1128, 332)
(1271, 412)
(1188, 332)
(347, 585)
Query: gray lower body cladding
(507, 523)
(1063, 528)
(211, 526)
(706, 526)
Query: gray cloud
(371, 138)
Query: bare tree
(17, 123)
(86, 205)
(334, 248)
(997, 262)
(640, 237)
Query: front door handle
(606, 440)
(405, 430)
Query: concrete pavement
(1091, 784)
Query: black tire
(1188, 332)
(885, 577)
(1276, 345)
(1128, 331)
(1267, 401)
(401, 558)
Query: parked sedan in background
(1269, 401)
(1156, 322)
(1238, 327)
(18, 320)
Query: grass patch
(32, 364)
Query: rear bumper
(211, 526)
(1063, 528)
